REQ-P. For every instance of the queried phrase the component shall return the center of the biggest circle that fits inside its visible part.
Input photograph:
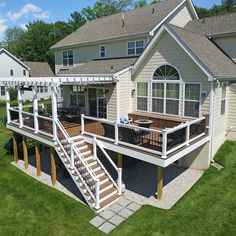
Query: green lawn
(28, 207)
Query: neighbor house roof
(211, 56)
(39, 69)
(138, 21)
(216, 25)
(103, 67)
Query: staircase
(91, 177)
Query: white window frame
(102, 51)
(223, 99)
(135, 47)
(147, 97)
(187, 100)
(67, 58)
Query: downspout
(117, 101)
(211, 120)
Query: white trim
(9, 54)
(192, 8)
(152, 32)
(67, 58)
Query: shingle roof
(212, 57)
(215, 25)
(39, 69)
(103, 67)
(140, 20)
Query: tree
(140, 3)
(229, 4)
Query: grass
(28, 207)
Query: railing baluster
(82, 123)
(188, 134)
(94, 147)
(119, 170)
(116, 133)
(97, 198)
(164, 143)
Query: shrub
(13, 94)
(2, 103)
(14, 103)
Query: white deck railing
(160, 142)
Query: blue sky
(19, 12)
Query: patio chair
(72, 114)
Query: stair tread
(109, 200)
(106, 184)
(107, 192)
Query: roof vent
(203, 20)
(153, 10)
(123, 19)
(112, 68)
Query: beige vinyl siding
(232, 112)
(111, 103)
(181, 17)
(125, 93)
(85, 54)
(228, 45)
(167, 51)
(219, 121)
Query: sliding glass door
(97, 99)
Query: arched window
(166, 90)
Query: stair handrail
(63, 130)
(119, 170)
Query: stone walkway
(114, 215)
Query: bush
(14, 103)
(13, 94)
(2, 103)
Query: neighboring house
(173, 75)
(14, 68)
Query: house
(156, 84)
(13, 68)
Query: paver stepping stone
(107, 227)
(124, 202)
(116, 208)
(133, 206)
(107, 214)
(125, 213)
(116, 220)
(97, 221)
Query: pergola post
(20, 107)
(160, 171)
(35, 109)
(53, 166)
(8, 104)
(25, 152)
(15, 148)
(120, 160)
(38, 161)
(54, 112)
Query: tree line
(33, 44)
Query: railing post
(116, 133)
(54, 113)
(164, 143)
(82, 123)
(20, 107)
(187, 134)
(94, 147)
(97, 198)
(8, 104)
(119, 170)
(35, 109)
(72, 156)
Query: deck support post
(20, 107)
(15, 148)
(120, 160)
(35, 109)
(25, 152)
(53, 166)
(8, 104)
(160, 171)
(54, 112)
(37, 156)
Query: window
(24, 72)
(11, 73)
(68, 58)
(135, 47)
(223, 99)
(166, 90)
(3, 92)
(142, 96)
(192, 100)
(102, 51)
(77, 95)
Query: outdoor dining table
(144, 123)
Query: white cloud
(23, 26)
(2, 4)
(28, 9)
(3, 26)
